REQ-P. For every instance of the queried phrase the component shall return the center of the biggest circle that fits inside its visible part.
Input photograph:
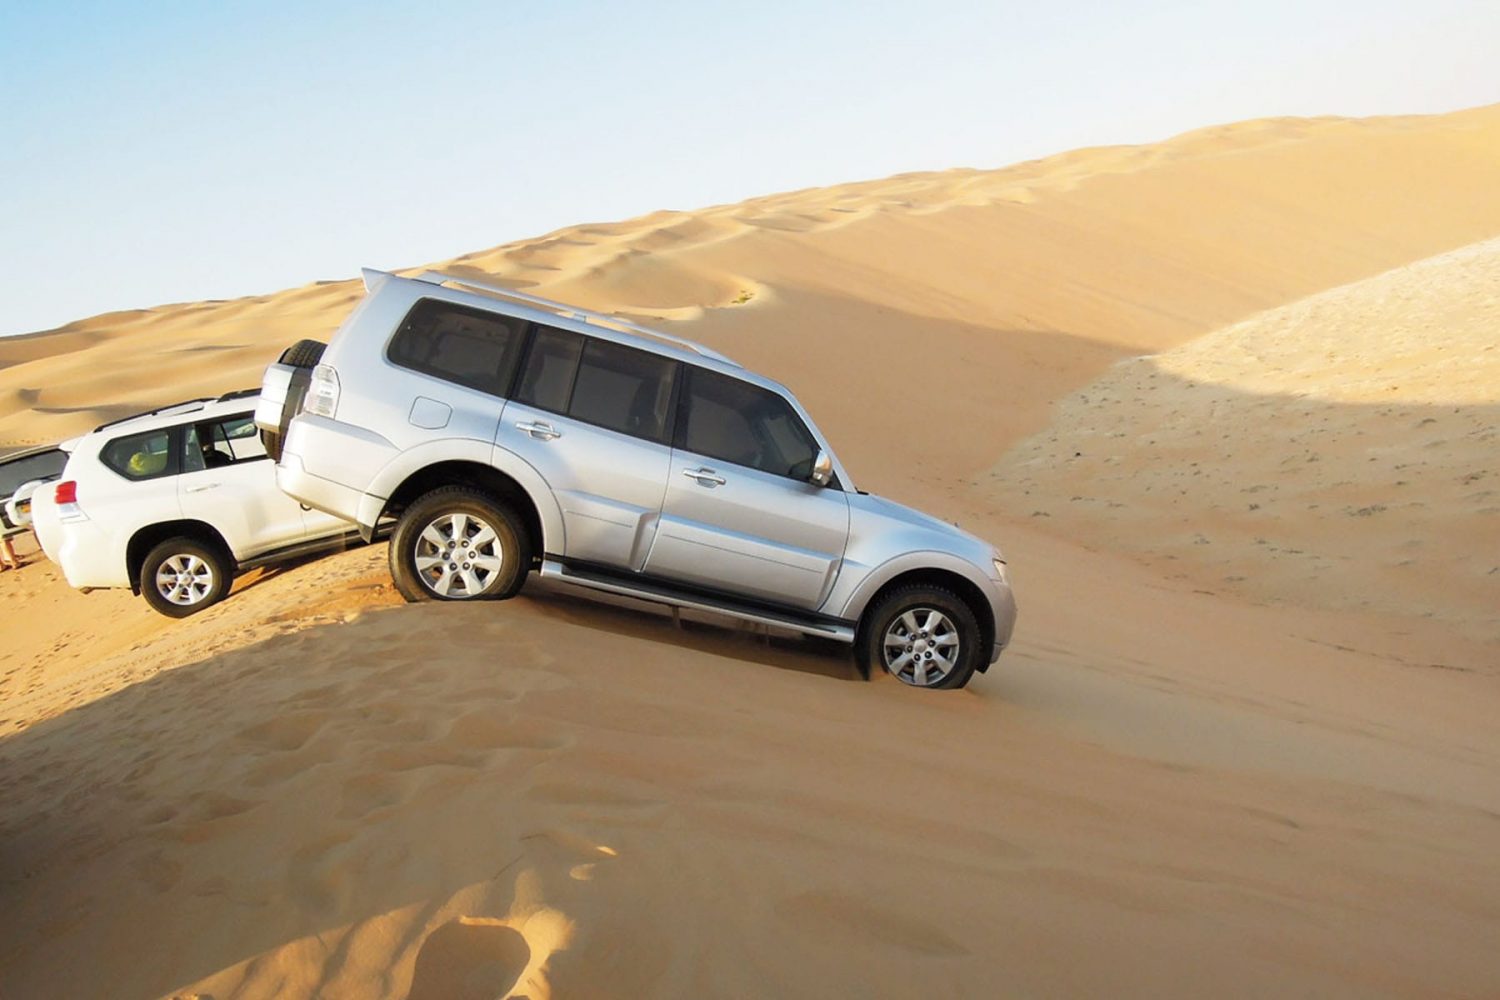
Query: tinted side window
(226, 442)
(623, 389)
(140, 456)
(550, 367)
(742, 423)
(17, 473)
(467, 346)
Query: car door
(228, 481)
(593, 418)
(740, 514)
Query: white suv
(172, 504)
(507, 433)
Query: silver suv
(506, 433)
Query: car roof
(506, 302)
(207, 407)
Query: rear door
(593, 417)
(228, 481)
(740, 515)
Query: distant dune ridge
(1228, 401)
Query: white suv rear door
(228, 481)
(592, 417)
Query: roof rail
(572, 312)
(152, 413)
(238, 394)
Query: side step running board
(660, 594)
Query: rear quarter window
(469, 347)
(140, 456)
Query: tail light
(66, 492)
(322, 396)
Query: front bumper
(1003, 606)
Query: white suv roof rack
(572, 312)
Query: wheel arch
(934, 576)
(480, 476)
(145, 539)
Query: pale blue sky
(161, 152)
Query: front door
(740, 515)
(228, 480)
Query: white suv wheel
(184, 579)
(182, 576)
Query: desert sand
(1228, 402)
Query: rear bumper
(324, 494)
(89, 556)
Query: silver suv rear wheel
(459, 544)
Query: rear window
(623, 389)
(466, 346)
(139, 456)
(17, 472)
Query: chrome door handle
(538, 429)
(705, 477)
(202, 489)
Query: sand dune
(1173, 784)
(1339, 451)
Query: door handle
(705, 477)
(202, 489)
(538, 429)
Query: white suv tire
(459, 544)
(182, 576)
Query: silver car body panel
(608, 485)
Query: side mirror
(822, 470)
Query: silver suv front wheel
(458, 544)
(925, 636)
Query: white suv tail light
(322, 396)
(65, 496)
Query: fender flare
(854, 606)
(411, 461)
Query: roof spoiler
(373, 278)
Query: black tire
(302, 356)
(204, 574)
(438, 510)
(917, 663)
(272, 442)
